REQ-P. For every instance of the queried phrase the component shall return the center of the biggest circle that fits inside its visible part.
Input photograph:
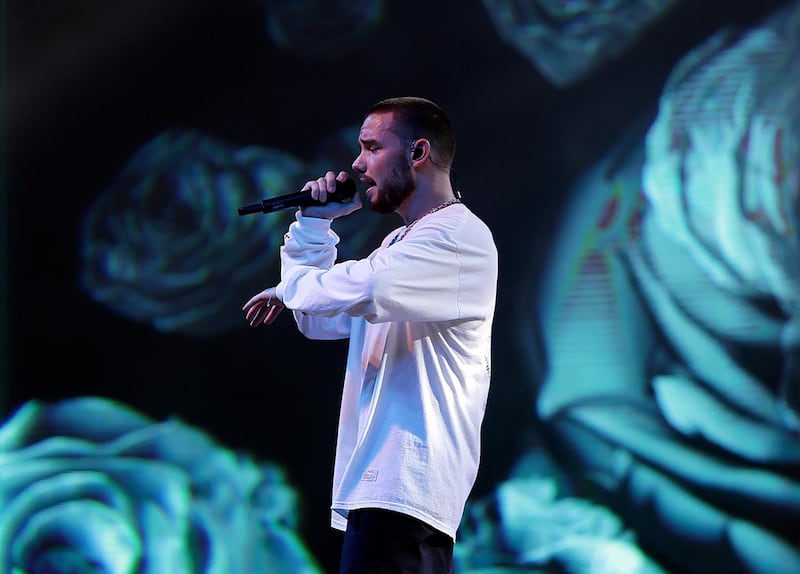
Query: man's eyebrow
(367, 141)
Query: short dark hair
(420, 118)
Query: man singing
(418, 313)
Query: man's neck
(428, 196)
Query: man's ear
(419, 149)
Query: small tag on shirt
(370, 476)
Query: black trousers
(384, 542)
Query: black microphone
(344, 191)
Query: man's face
(383, 164)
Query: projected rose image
(671, 310)
(90, 485)
(164, 245)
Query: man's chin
(378, 206)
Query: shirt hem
(339, 511)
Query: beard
(399, 185)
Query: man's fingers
(273, 314)
(254, 317)
(262, 311)
(252, 312)
(255, 299)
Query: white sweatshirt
(419, 317)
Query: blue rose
(527, 524)
(164, 244)
(92, 486)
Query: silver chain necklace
(403, 232)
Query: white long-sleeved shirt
(418, 314)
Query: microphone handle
(343, 192)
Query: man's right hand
(320, 188)
(263, 308)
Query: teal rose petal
(237, 540)
(156, 482)
(14, 432)
(142, 479)
(166, 546)
(275, 499)
(91, 418)
(53, 491)
(209, 539)
(217, 474)
(282, 550)
(171, 441)
(51, 448)
(89, 531)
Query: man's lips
(371, 185)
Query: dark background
(89, 82)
